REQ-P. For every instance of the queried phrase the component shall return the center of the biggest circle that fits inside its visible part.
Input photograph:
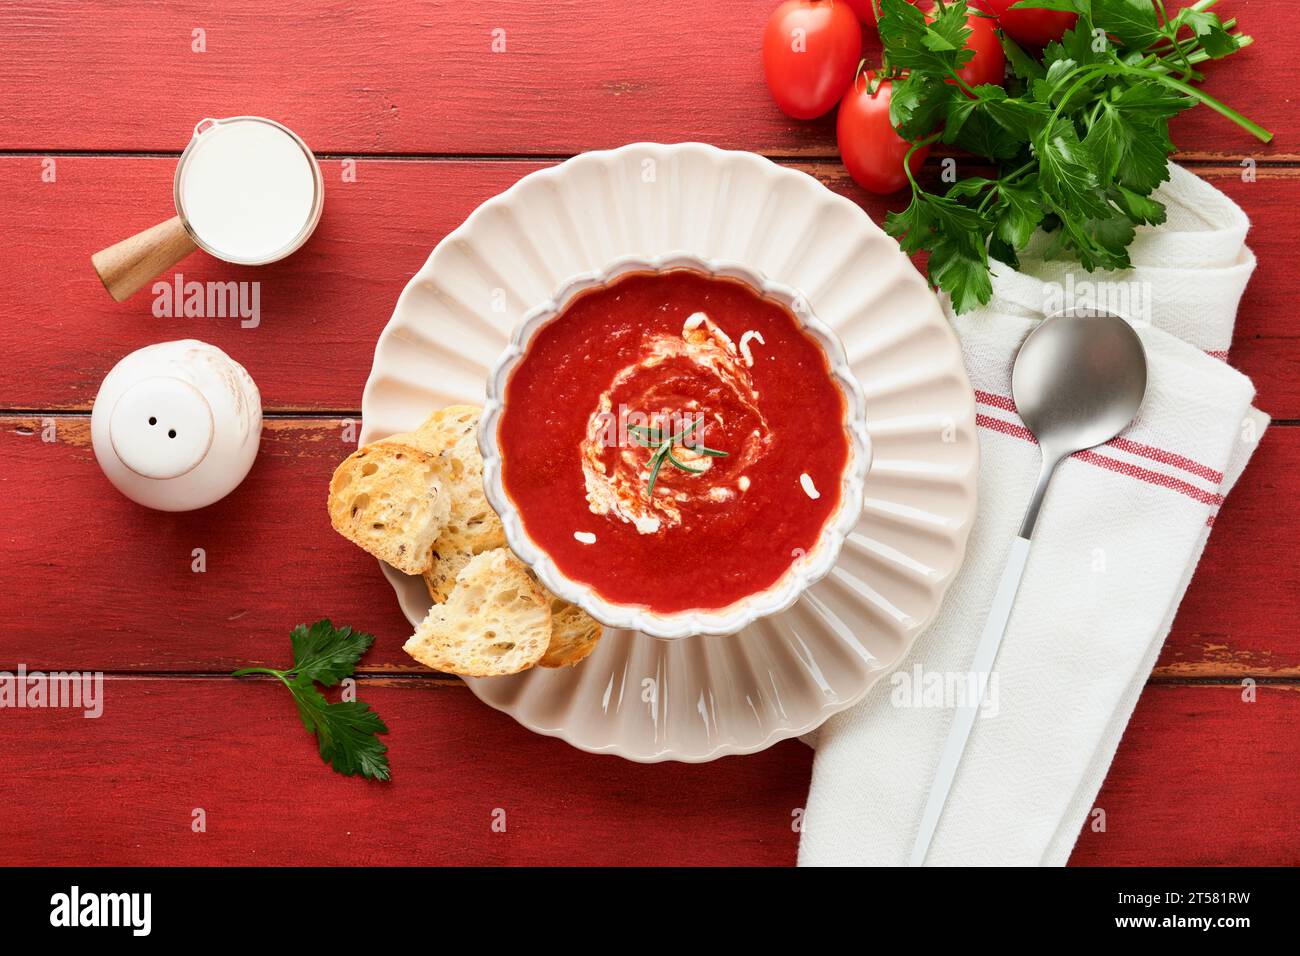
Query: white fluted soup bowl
(807, 569)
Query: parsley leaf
(1068, 6)
(988, 125)
(1024, 119)
(1133, 21)
(1019, 213)
(912, 226)
(346, 731)
(1130, 136)
(1023, 65)
(1100, 242)
(1153, 102)
(1077, 45)
(918, 102)
(918, 45)
(963, 271)
(327, 654)
(1139, 208)
(1068, 170)
(1078, 134)
(1209, 30)
(954, 233)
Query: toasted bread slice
(451, 433)
(473, 527)
(454, 431)
(388, 499)
(452, 551)
(441, 577)
(497, 621)
(574, 634)
(444, 429)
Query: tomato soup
(674, 439)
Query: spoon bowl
(1079, 379)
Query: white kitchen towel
(1117, 540)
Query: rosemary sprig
(662, 450)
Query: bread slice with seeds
(453, 550)
(454, 432)
(574, 634)
(473, 527)
(388, 498)
(496, 621)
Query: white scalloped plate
(700, 698)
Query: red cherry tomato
(870, 147)
(1035, 28)
(811, 49)
(863, 8)
(989, 64)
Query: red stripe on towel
(1006, 428)
(997, 401)
(1125, 444)
(1102, 461)
(1153, 477)
(1167, 458)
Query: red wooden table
(104, 94)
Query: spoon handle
(964, 718)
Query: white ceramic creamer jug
(247, 190)
(176, 425)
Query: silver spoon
(1078, 381)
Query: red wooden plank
(122, 789)
(99, 582)
(322, 309)
(1265, 343)
(1241, 612)
(120, 591)
(1202, 778)
(403, 77)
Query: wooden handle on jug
(127, 266)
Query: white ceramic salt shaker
(176, 425)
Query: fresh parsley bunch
(345, 731)
(1079, 136)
